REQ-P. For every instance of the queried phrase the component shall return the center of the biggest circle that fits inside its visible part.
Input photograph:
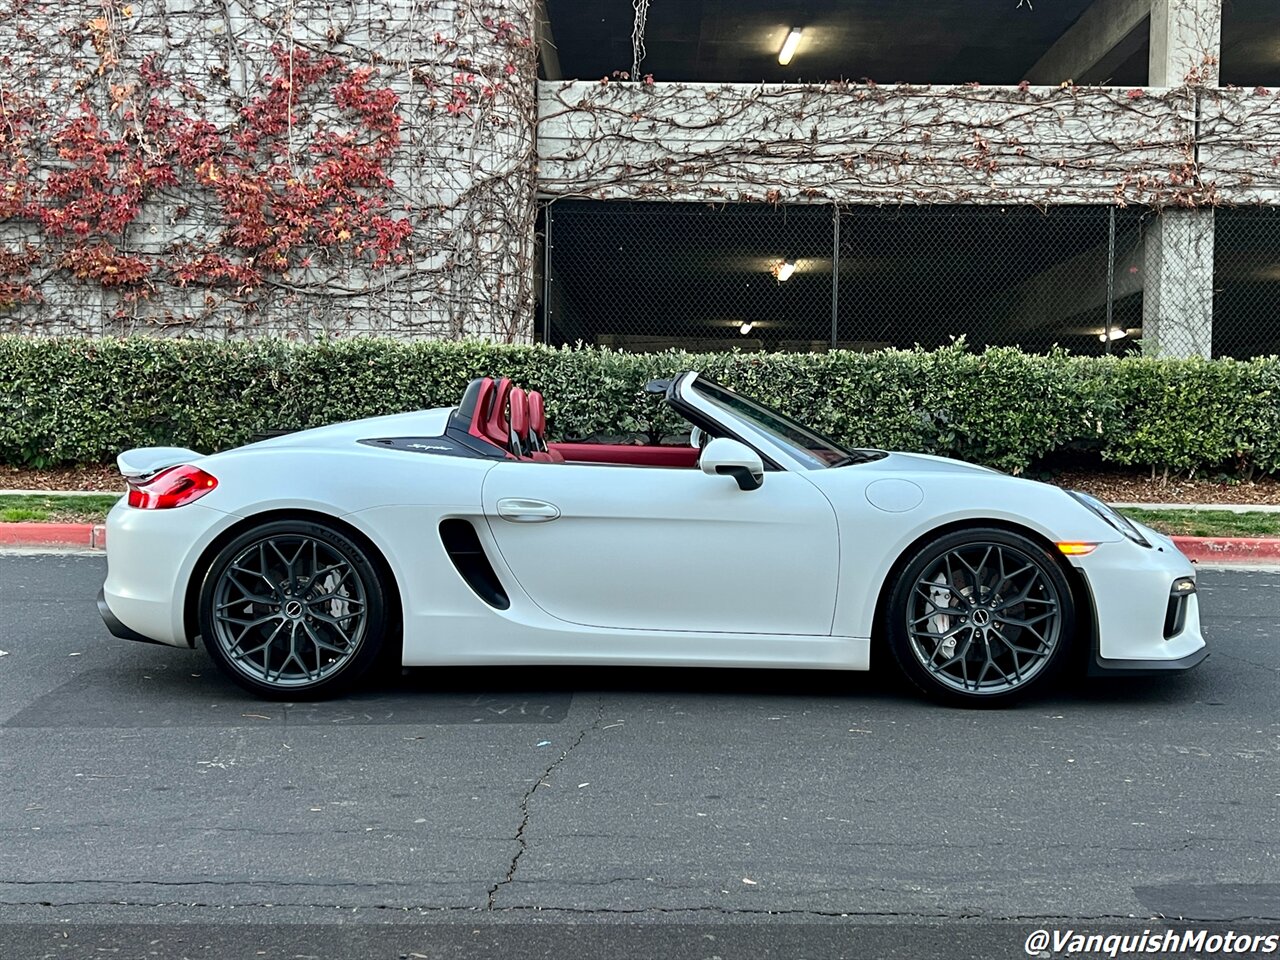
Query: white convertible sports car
(458, 536)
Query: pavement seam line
(550, 912)
(528, 796)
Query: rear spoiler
(147, 461)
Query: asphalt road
(148, 808)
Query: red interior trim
(628, 454)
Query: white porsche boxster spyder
(459, 536)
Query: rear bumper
(150, 557)
(114, 626)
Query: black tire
(981, 617)
(293, 610)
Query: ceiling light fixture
(789, 46)
(1115, 333)
(785, 270)
(745, 328)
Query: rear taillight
(170, 488)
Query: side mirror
(726, 457)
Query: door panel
(667, 549)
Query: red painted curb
(49, 535)
(1230, 549)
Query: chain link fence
(1246, 286)
(1091, 279)
(647, 276)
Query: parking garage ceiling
(1251, 42)
(931, 41)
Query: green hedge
(77, 400)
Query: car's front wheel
(293, 609)
(981, 616)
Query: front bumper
(1135, 631)
(1145, 668)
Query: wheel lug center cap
(294, 609)
(980, 617)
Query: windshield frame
(777, 450)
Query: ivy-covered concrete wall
(233, 167)
(1185, 146)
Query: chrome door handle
(519, 510)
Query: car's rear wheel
(981, 616)
(293, 609)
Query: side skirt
(467, 640)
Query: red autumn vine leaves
(281, 192)
(101, 182)
(18, 120)
(300, 173)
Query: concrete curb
(1221, 550)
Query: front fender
(874, 542)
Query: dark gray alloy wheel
(293, 609)
(981, 616)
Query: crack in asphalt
(528, 796)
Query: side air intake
(464, 549)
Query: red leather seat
(503, 414)
(495, 422)
(538, 430)
(519, 440)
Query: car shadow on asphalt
(881, 684)
(179, 692)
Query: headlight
(1111, 516)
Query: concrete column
(1177, 300)
(1186, 41)
(1177, 303)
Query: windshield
(812, 449)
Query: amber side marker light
(1074, 548)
